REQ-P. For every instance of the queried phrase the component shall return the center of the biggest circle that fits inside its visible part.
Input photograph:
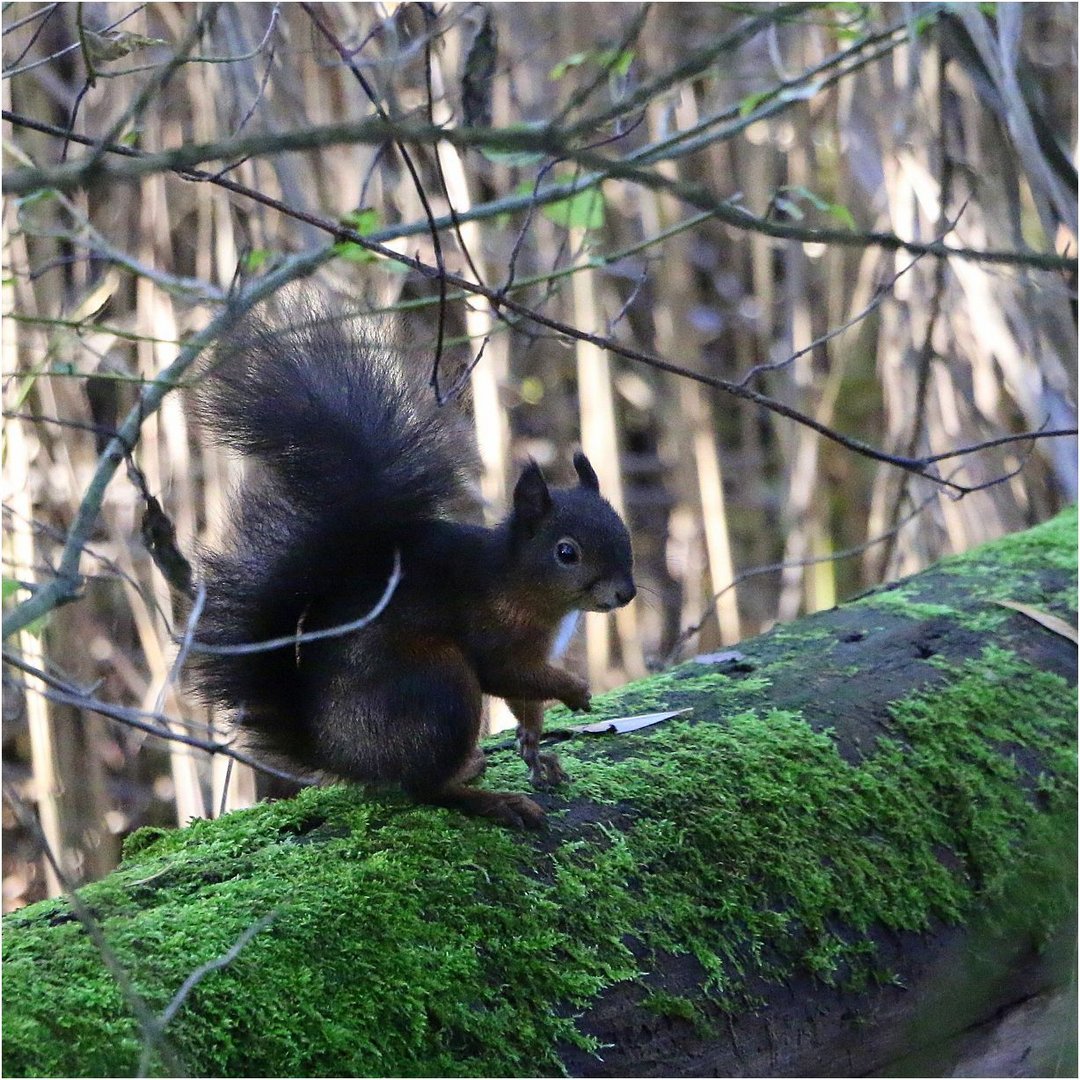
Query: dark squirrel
(354, 465)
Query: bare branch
(376, 130)
(66, 586)
(64, 693)
(309, 635)
(1001, 440)
(151, 1032)
(199, 974)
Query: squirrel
(355, 469)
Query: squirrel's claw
(579, 699)
(545, 770)
(519, 812)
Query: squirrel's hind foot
(505, 807)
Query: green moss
(999, 570)
(412, 941)
(1053, 544)
(665, 1004)
(901, 601)
(398, 946)
(677, 1007)
(142, 839)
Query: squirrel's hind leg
(441, 703)
(475, 767)
(505, 807)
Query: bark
(855, 855)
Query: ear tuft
(532, 500)
(586, 473)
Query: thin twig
(406, 157)
(151, 1033)
(63, 694)
(880, 292)
(225, 787)
(308, 635)
(66, 585)
(186, 642)
(772, 568)
(1001, 440)
(197, 977)
(47, 10)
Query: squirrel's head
(572, 543)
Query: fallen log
(855, 851)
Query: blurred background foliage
(765, 197)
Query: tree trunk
(856, 850)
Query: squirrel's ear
(586, 473)
(532, 500)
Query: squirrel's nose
(625, 592)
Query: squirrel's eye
(567, 552)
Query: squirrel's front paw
(578, 699)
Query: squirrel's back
(347, 452)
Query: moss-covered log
(859, 843)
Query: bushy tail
(351, 450)
(328, 408)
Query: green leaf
(10, 587)
(513, 157)
(561, 68)
(752, 101)
(617, 62)
(362, 221)
(843, 215)
(255, 258)
(346, 249)
(583, 210)
(924, 22)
